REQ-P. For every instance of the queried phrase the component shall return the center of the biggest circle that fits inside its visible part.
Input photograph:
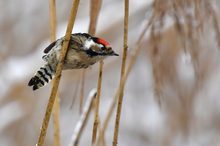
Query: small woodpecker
(83, 51)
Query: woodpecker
(83, 51)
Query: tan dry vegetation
(177, 43)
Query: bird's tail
(43, 76)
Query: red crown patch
(101, 41)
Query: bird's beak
(114, 54)
(111, 52)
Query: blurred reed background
(172, 76)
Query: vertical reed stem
(56, 108)
(121, 86)
(95, 6)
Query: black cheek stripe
(91, 53)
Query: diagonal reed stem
(58, 73)
(83, 119)
(121, 85)
(56, 108)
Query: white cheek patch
(100, 46)
(90, 43)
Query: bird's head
(99, 47)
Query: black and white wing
(48, 48)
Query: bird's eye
(102, 48)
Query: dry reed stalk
(56, 121)
(95, 6)
(160, 10)
(75, 93)
(215, 24)
(53, 21)
(121, 86)
(58, 73)
(81, 96)
(128, 70)
(190, 39)
(56, 108)
(83, 119)
(156, 76)
(97, 101)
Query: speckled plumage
(84, 50)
